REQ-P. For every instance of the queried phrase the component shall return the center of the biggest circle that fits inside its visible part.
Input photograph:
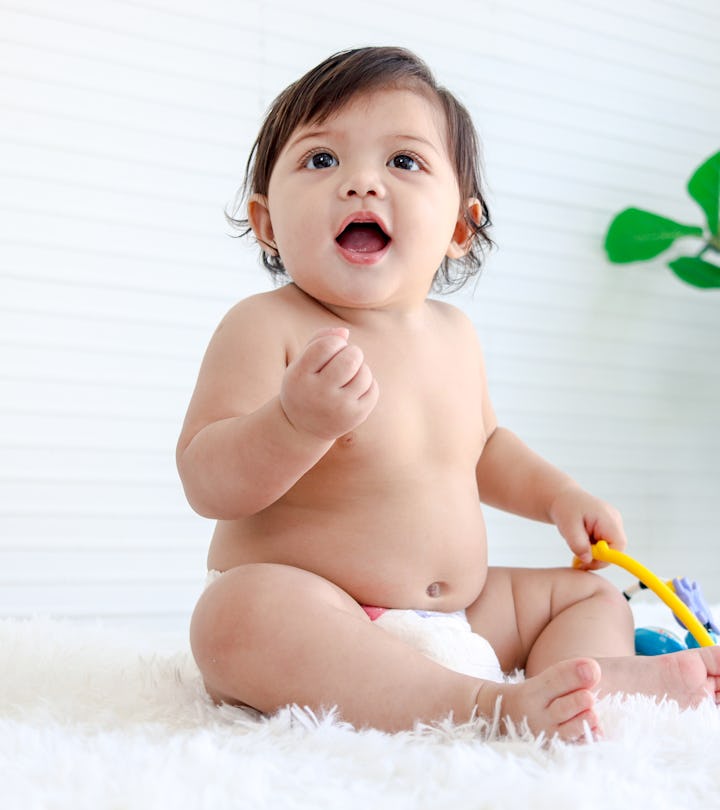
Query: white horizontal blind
(125, 128)
(611, 372)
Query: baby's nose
(362, 184)
(362, 192)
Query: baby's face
(364, 206)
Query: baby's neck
(393, 316)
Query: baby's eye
(406, 162)
(321, 160)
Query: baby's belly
(426, 553)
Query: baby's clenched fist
(328, 390)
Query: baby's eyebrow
(417, 139)
(315, 133)
(389, 137)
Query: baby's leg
(535, 618)
(269, 635)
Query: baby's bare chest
(427, 409)
(431, 393)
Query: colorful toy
(682, 596)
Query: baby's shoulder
(253, 332)
(262, 312)
(452, 317)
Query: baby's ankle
(489, 699)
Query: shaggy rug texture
(92, 717)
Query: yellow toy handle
(602, 551)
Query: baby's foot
(559, 700)
(688, 676)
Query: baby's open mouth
(363, 237)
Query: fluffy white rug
(90, 719)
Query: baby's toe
(569, 676)
(577, 729)
(567, 707)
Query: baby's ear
(464, 234)
(258, 215)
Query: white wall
(124, 131)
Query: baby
(342, 435)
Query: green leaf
(635, 235)
(704, 188)
(695, 271)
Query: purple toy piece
(690, 593)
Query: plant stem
(711, 244)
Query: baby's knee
(224, 621)
(250, 607)
(604, 591)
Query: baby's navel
(434, 589)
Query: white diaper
(446, 638)
(212, 575)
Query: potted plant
(638, 235)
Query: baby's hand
(582, 519)
(328, 390)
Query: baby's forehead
(332, 114)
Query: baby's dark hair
(327, 88)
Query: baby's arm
(254, 427)
(512, 477)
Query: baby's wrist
(559, 500)
(303, 434)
